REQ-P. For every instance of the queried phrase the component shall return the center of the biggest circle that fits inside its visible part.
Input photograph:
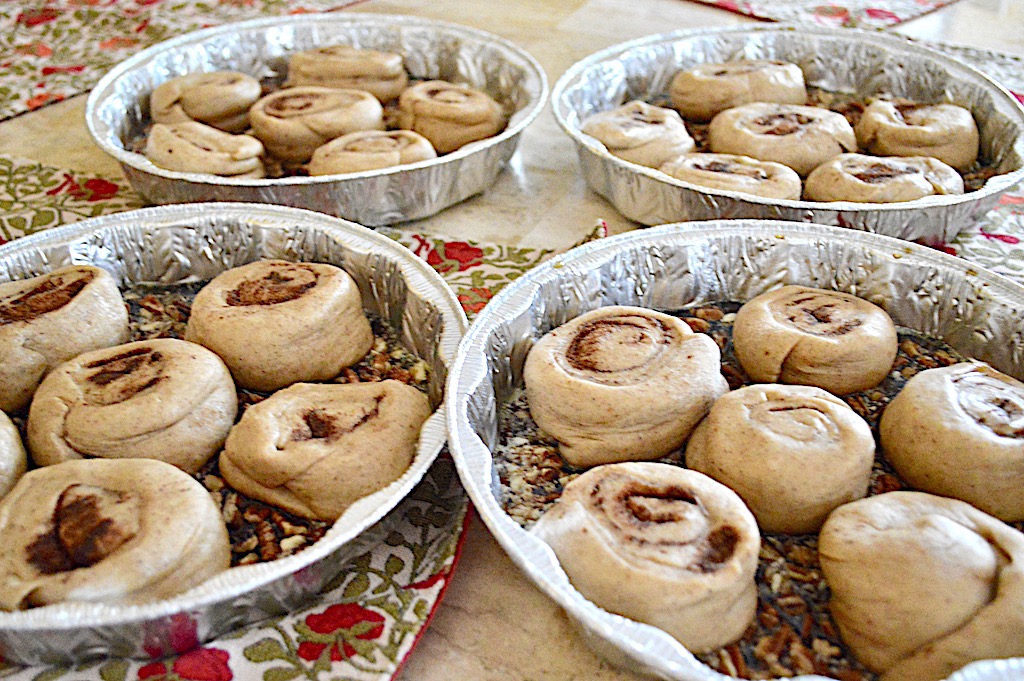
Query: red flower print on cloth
(475, 299)
(118, 43)
(35, 50)
(42, 99)
(94, 189)
(181, 637)
(448, 256)
(831, 15)
(1005, 238)
(428, 582)
(50, 70)
(335, 627)
(203, 664)
(883, 15)
(38, 16)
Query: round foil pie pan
(979, 313)
(117, 111)
(182, 244)
(850, 61)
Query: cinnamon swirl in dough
(370, 150)
(51, 318)
(640, 133)
(448, 114)
(293, 122)
(810, 336)
(736, 174)
(275, 323)
(922, 585)
(943, 131)
(801, 137)
(958, 431)
(621, 383)
(705, 90)
(793, 453)
(382, 74)
(13, 461)
(870, 179)
(220, 98)
(661, 545)
(124, 531)
(196, 148)
(315, 449)
(164, 399)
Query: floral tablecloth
(860, 13)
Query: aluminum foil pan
(979, 313)
(839, 60)
(180, 244)
(118, 109)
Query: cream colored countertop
(493, 623)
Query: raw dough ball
(275, 323)
(640, 133)
(449, 115)
(870, 179)
(196, 148)
(220, 99)
(801, 137)
(708, 89)
(792, 452)
(370, 150)
(163, 399)
(943, 131)
(621, 383)
(117, 531)
(736, 174)
(13, 461)
(958, 431)
(809, 336)
(382, 74)
(315, 449)
(921, 585)
(51, 318)
(659, 544)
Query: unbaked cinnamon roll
(370, 150)
(659, 544)
(293, 122)
(382, 74)
(736, 173)
(640, 133)
(275, 323)
(792, 452)
(809, 336)
(946, 132)
(448, 114)
(708, 89)
(51, 318)
(958, 431)
(163, 399)
(621, 383)
(871, 179)
(197, 148)
(922, 585)
(220, 99)
(124, 532)
(801, 137)
(13, 461)
(315, 449)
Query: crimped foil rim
(101, 132)
(239, 580)
(995, 185)
(640, 646)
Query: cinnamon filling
(321, 424)
(49, 295)
(992, 402)
(289, 105)
(732, 169)
(877, 173)
(616, 344)
(279, 286)
(658, 505)
(718, 548)
(780, 124)
(89, 524)
(820, 316)
(123, 376)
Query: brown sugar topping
(51, 294)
